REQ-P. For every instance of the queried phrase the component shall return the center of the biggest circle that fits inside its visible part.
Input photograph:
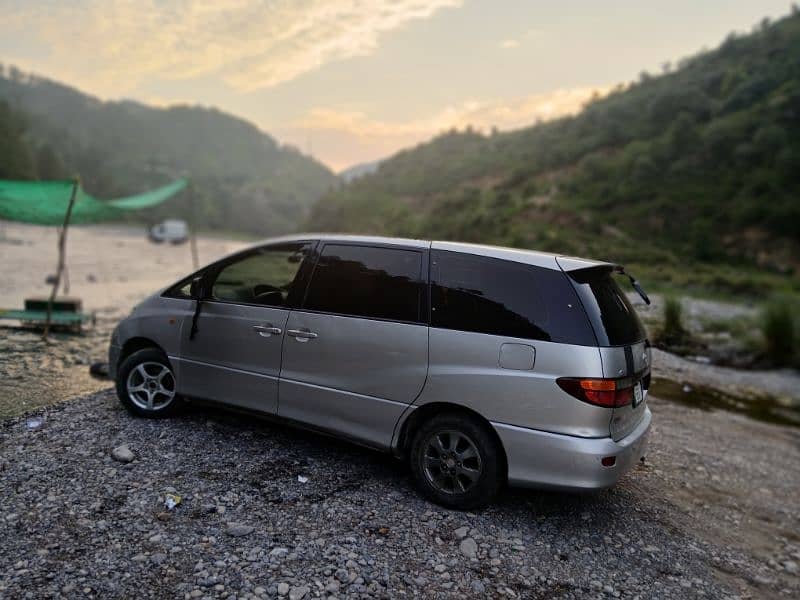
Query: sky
(353, 81)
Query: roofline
(521, 255)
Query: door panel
(235, 357)
(356, 377)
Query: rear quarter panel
(464, 369)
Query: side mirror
(197, 288)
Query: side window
(486, 295)
(264, 276)
(365, 281)
(181, 289)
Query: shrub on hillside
(778, 329)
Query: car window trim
(347, 316)
(423, 301)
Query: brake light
(609, 393)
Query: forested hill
(243, 180)
(693, 171)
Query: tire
(460, 480)
(150, 371)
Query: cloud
(509, 44)
(503, 114)
(250, 44)
(343, 137)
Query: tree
(49, 164)
(15, 156)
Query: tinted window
(264, 276)
(363, 281)
(485, 295)
(181, 289)
(614, 319)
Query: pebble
(297, 593)
(122, 454)
(469, 548)
(461, 532)
(239, 530)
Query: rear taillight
(609, 393)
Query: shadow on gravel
(347, 466)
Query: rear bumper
(550, 460)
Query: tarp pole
(62, 244)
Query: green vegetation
(672, 331)
(691, 178)
(15, 155)
(243, 180)
(780, 334)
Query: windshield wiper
(621, 270)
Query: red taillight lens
(609, 393)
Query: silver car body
(364, 379)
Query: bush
(778, 329)
(673, 332)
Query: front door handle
(267, 330)
(301, 335)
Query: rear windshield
(613, 317)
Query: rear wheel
(456, 461)
(146, 384)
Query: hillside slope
(244, 180)
(700, 165)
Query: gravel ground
(713, 513)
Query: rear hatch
(624, 349)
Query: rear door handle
(267, 330)
(301, 335)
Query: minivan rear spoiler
(571, 263)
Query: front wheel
(456, 461)
(146, 384)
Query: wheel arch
(428, 411)
(135, 344)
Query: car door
(356, 352)
(235, 355)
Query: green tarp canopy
(46, 202)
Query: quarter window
(365, 281)
(264, 276)
(486, 295)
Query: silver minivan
(478, 365)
